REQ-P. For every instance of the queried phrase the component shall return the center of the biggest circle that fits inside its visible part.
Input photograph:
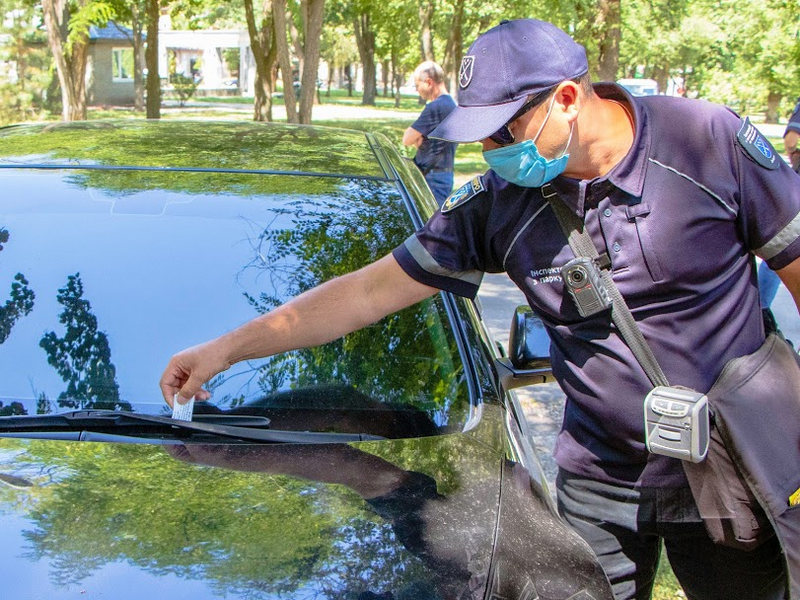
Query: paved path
(544, 404)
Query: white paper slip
(182, 412)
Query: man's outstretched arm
(320, 315)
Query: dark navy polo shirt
(680, 217)
(435, 154)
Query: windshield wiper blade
(110, 419)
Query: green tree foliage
(743, 53)
(82, 357)
(21, 301)
(184, 85)
(25, 77)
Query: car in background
(640, 87)
(394, 462)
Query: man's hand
(188, 370)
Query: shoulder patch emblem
(757, 146)
(464, 194)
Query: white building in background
(221, 62)
(200, 54)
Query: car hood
(410, 518)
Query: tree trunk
(454, 50)
(661, 75)
(773, 100)
(608, 25)
(313, 12)
(137, 25)
(70, 66)
(385, 75)
(153, 84)
(297, 40)
(425, 29)
(285, 61)
(262, 44)
(397, 75)
(348, 74)
(365, 40)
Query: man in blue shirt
(791, 137)
(434, 157)
(678, 193)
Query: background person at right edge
(791, 136)
(768, 282)
(679, 193)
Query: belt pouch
(742, 488)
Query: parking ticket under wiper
(182, 412)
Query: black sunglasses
(503, 136)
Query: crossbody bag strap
(583, 246)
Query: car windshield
(104, 274)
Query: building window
(122, 64)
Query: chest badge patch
(757, 146)
(464, 194)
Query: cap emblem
(465, 72)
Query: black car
(393, 463)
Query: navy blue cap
(501, 69)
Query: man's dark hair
(585, 81)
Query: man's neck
(437, 91)
(604, 133)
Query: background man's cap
(501, 69)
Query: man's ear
(568, 96)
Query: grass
(409, 103)
(666, 586)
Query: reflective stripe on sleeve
(429, 264)
(781, 241)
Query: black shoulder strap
(582, 246)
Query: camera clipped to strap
(585, 284)
(677, 423)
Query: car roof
(172, 145)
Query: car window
(105, 274)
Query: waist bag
(753, 462)
(743, 487)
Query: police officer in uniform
(678, 193)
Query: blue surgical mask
(522, 164)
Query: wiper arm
(110, 419)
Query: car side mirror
(529, 352)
